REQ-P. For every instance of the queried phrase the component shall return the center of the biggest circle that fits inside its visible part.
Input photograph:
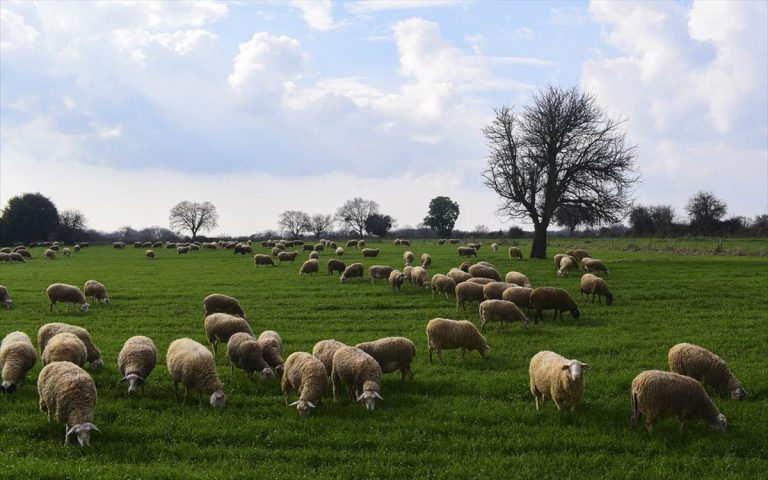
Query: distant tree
(193, 217)
(30, 217)
(571, 217)
(126, 233)
(442, 215)
(705, 211)
(760, 225)
(72, 225)
(516, 232)
(320, 223)
(378, 224)
(480, 231)
(663, 217)
(355, 212)
(561, 151)
(293, 222)
(651, 220)
(156, 233)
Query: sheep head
(369, 397)
(97, 364)
(134, 380)
(218, 399)
(84, 307)
(575, 370)
(267, 374)
(83, 432)
(304, 407)
(719, 424)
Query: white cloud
(317, 13)
(16, 33)
(180, 42)
(267, 65)
(369, 6)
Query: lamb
(557, 377)
(566, 265)
(419, 277)
(339, 251)
(596, 286)
(557, 299)
(699, 363)
(307, 375)
(50, 254)
(218, 303)
(96, 290)
(578, 254)
(594, 265)
(396, 279)
(360, 244)
(408, 257)
(309, 267)
(244, 352)
(518, 279)
(426, 260)
(361, 374)
(65, 347)
(446, 334)
(314, 255)
(392, 353)
(520, 296)
(136, 360)
(192, 365)
(272, 348)
(324, 350)
(261, 259)
(515, 252)
(287, 256)
(656, 393)
(336, 266)
(149, 254)
(352, 271)
(494, 247)
(182, 250)
(459, 275)
(61, 292)
(5, 297)
(468, 292)
(17, 357)
(219, 327)
(466, 252)
(377, 272)
(47, 331)
(443, 284)
(68, 393)
(484, 271)
(494, 290)
(371, 252)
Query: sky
(122, 109)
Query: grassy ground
(470, 420)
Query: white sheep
(419, 277)
(61, 292)
(218, 303)
(446, 334)
(520, 296)
(352, 271)
(566, 265)
(47, 331)
(324, 350)
(594, 265)
(396, 279)
(378, 272)
(360, 373)
(370, 252)
(339, 251)
(97, 290)
(518, 279)
(494, 290)
(307, 375)
(484, 271)
(494, 247)
(515, 252)
(458, 275)
(501, 311)
(408, 257)
(219, 327)
(707, 367)
(310, 266)
(554, 376)
(5, 297)
(468, 292)
(272, 348)
(17, 357)
(136, 360)
(426, 260)
(68, 394)
(192, 365)
(392, 353)
(443, 284)
(244, 352)
(596, 286)
(65, 347)
(261, 259)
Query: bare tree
(355, 212)
(293, 222)
(319, 223)
(561, 151)
(705, 211)
(71, 224)
(193, 216)
(572, 217)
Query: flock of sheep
(68, 393)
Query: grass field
(470, 420)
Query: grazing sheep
(244, 352)
(319, 247)
(378, 272)
(149, 254)
(261, 259)
(47, 331)
(480, 280)
(307, 248)
(118, 245)
(336, 266)
(566, 265)
(136, 360)
(314, 255)
(61, 292)
(468, 292)
(97, 290)
(218, 303)
(76, 247)
(17, 357)
(307, 375)
(50, 254)
(553, 298)
(5, 257)
(445, 334)
(484, 271)
(18, 257)
(392, 353)
(22, 253)
(518, 279)
(352, 243)
(65, 347)
(360, 244)
(310, 266)
(594, 265)
(272, 348)
(476, 246)
(276, 251)
(68, 394)
(466, 252)
(396, 279)
(501, 310)
(458, 275)
(192, 365)
(426, 260)
(360, 373)
(5, 250)
(352, 271)
(371, 252)
(520, 296)
(453, 241)
(699, 363)
(656, 393)
(554, 376)
(219, 327)
(442, 241)
(408, 257)
(494, 290)
(578, 254)
(559, 258)
(515, 252)
(242, 249)
(66, 252)
(419, 277)
(5, 297)
(443, 284)
(596, 286)
(287, 256)
(405, 242)
(464, 267)
(494, 247)
(182, 250)
(339, 251)
(324, 350)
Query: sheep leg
(462, 355)
(430, 354)
(681, 424)
(66, 437)
(554, 317)
(50, 310)
(200, 399)
(186, 392)
(556, 403)
(335, 380)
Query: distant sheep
(566, 265)
(68, 394)
(360, 373)
(66, 252)
(426, 260)
(305, 374)
(136, 360)
(591, 284)
(310, 266)
(494, 247)
(242, 249)
(5, 257)
(182, 250)
(18, 257)
(244, 352)
(594, 265)
(578, 254)
(17, 357)
(392, 353)
(559, 258)
(518, 279)
(262, 259)
(443, 284)
(50, 254)
(118, 245)
(47, 331)
(484, 272)
(552, 375)
(370, 252)
(419, 277)
(97, 290)
(552, 298)
(453, 241)
(352, 243)
(287, 256)
(360, 244)
(339, 251)
(699, 363)
(319, 247)
(501, 311)
(396, 279)
(5, 297)
(272, 349)
(408, 257)
(61, 292)
(515, 252)
(352, 271)
(218, 303)
(466, 252)
(476, 246)
(335, 266)
(192, 365)
(379, 272)
(149, 254)
(219, 327)
(324, 350)
(445, 334)
(65, 347)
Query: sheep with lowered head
(309, 267)
(494, 290)
(324, 350)
(392, 353)
(272, 349)
(305, 374)
(707, 367)
(68, 394)
(65, 347)
(244, 352)
(426, 260)
(408, 257)
(352, 271)
(61, 292)
(192, 365)
(47, 331)
(518, 279)
(494, 247)
(371, 252)
(17, 357)
(339, 251)
(566, 265)
(467, 292)
(97, 290)
(262, 259)
(554, 376)
(656, 393)
(443, 284)
(149, 254)
(515, 252)
(50, 254)
(218, 303)
(219, 327)
(361, 374)
(136, 360)
(336, 266)
(446, 334)
(379, 272)
(5, 297)
(419, 277)
(592, 284)
(484, 271)
(466, 251)
(314, 255)
(396, 279)
(553, 298)
(520, 296)
(459, 275)
(501, 311)
(287, 256)
(559, 258)
(578, 254)
(594, 265)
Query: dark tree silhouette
(442, 215)
(705, 211)
(194, 217)
(378, 224)
(294, 222)
(355, 212)
(72, 225)
(571, 217)
(320, 223)
(28, 218)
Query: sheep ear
(359, 397)
(312, 405)
(71, 430)
(92, 427)
(123, 380)
(584, 365)
(294, 403)
(565, 367)
(376, 394)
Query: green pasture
(470, 420)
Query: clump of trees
(442, 215)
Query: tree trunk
(539, 247)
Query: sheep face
(279, 369)
(134, 380)
(719, 424)
(576, 314)
(8, 387)
(575, 370)
(369, 398)
(267, 374)
(608, 299)
(83, 432)
(218, 399)
(7, 303)
(97, 364)
(739, 393)
(304, 407)
(85, 307)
